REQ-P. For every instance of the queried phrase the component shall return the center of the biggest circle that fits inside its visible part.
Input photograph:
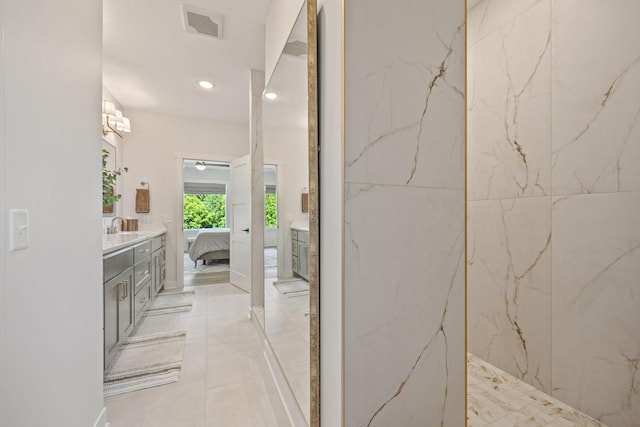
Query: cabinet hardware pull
(123, 294)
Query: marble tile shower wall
(554, 198)
(404, 213)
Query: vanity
(134, 271)
(300, 250)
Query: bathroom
(586, 351)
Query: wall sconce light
(201, 165)
(113, 121)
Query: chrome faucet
(113, 229)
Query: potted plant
(109, 177)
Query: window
(270, 206)
(204, 205)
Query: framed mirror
(110, 165)
(291, 303)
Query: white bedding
(208, 241)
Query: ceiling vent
(202, 21)
(295, 48)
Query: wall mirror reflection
(109, 163)
(287, 296)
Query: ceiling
(151, 63)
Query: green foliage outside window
(270, 218)
(204, 211)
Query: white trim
(206, 157)
(179, 214)
(102, 419)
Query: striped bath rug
(146, 361)
(171, 302)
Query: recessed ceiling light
(271, 95)
(206, 84)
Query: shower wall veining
(404, 357)
(554, 198)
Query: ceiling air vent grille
(202, 21)
(295, 48)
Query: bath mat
(171, 302)
(144, 362)
(292, 288)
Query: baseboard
(291, 407)
(102, 419)
(171, 284)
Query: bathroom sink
(127, 236)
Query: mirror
(111, 165)
(291, 293)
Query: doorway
(205, 225)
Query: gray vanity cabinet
(158, 264)
(142, 274)
(131, 278)
(118, 301)
(300, 253)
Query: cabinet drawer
(141, 251)
(294, 234)
(141, 300)
(141, 272)
(157, 243)
(116, 263)
(294, 247)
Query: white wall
(3, 383)
(150, 153)
(52, 291)
(331, 209)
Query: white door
(239, 221)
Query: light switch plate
(18, 229)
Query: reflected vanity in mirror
(291, 292)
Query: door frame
(179, 211)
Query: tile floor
(287, 328)
(225, 380)
(497, 399)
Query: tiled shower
(553, 191)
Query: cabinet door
(125, 302)
(155, 272)
(111, 330)
(162, 268)
(303, 260)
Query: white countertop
(300, 225)
(113, 242)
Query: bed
(210, 244)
